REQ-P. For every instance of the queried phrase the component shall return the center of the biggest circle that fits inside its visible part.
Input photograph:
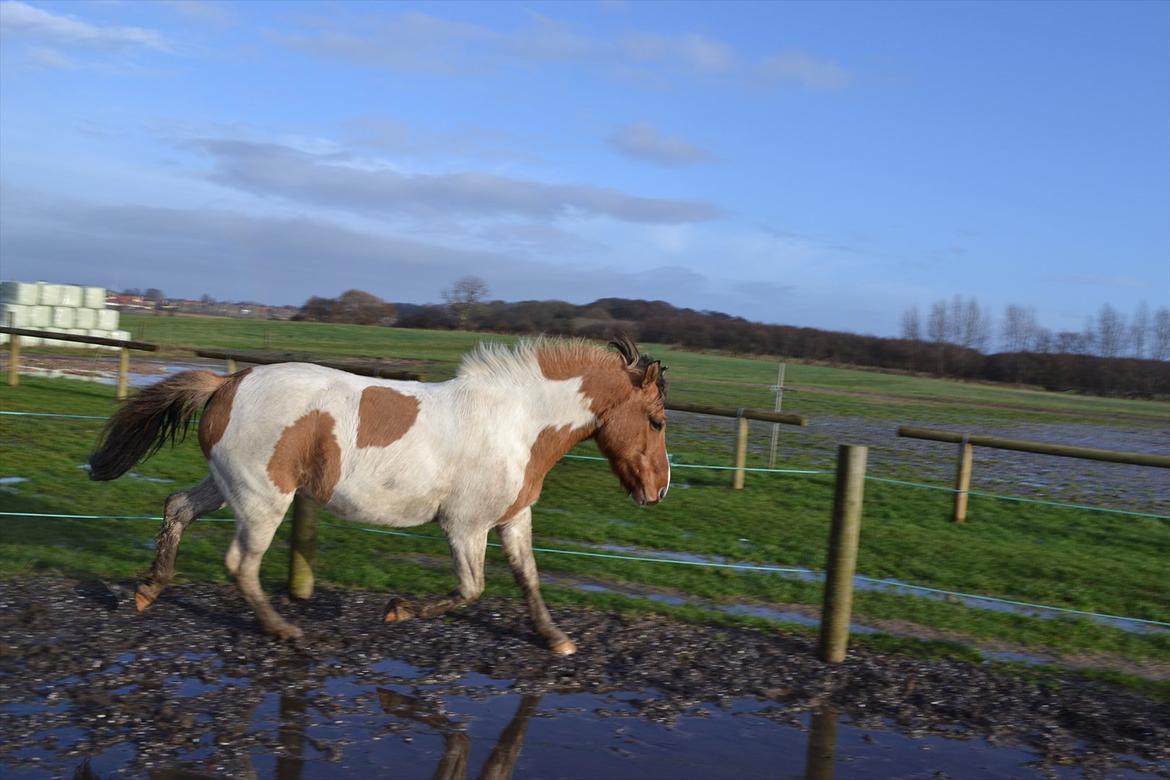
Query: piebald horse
(470, 454)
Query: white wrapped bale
(3, 339)
(30, 341)
(107, 319)
(48, 294)
(85, 318)
(64, 317)
(70, 295)
(20, 293)
(40, 316)
(94, 298)
(15, 315)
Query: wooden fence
(366, 368)
(967, 442)
(123, 346)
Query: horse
(470, 453)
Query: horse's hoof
(564, 647)
(397, 613)
(284, 632)
(142, 601)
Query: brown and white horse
(471, 454)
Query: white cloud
(22, 19)
(644, 141)
(337, 181)
(689, 52)
(417, 42)
(799, 68)
(412, 42)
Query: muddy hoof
(564, 647)
(284, 631)
(398, 612)
(142, 601)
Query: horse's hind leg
(516, 537)
(254, 531)
(179, 510)
(467, 548)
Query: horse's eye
(656, 424)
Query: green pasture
(1056, 556)
(726, 380)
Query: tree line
(1112, 355)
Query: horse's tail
(148, 419)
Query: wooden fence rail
(741, 433)
(967, 442)
(123, 362)
(378, 370)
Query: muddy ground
(81, 673)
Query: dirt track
(76, 656)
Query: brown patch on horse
(218, 412)
(307, 456)
(384, 416)
(604, 380)
(550, 446)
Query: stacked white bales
(58, 308)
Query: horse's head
(632, 432)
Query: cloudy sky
(813, 164)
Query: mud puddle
(191, 689)
(475, 726)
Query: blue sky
(816, 164)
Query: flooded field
(190, 689)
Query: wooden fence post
(741, 439)
(123, 374)
(231, 365)
(302, 547)
(13, 361)
(844, 536)
(963, 480)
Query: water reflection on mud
(475, 727)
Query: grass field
(1106, 563)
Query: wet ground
(1002, 472)
(191, 689)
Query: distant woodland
(1112, 355)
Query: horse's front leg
(467, 549)
(516, 536)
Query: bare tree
(976, 326)
(1160, 346)
(1019, 328)
(911, 327)
(955, 320)
(463, 297)
(1139, 325)
(936, 323)
(1110, 332)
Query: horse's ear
(629, 351)
(653, 374)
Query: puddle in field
(394, 716)
(861, 583)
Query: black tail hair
(148, 419)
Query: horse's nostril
(662, 492)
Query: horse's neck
(560, 404)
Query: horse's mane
(520, 361)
